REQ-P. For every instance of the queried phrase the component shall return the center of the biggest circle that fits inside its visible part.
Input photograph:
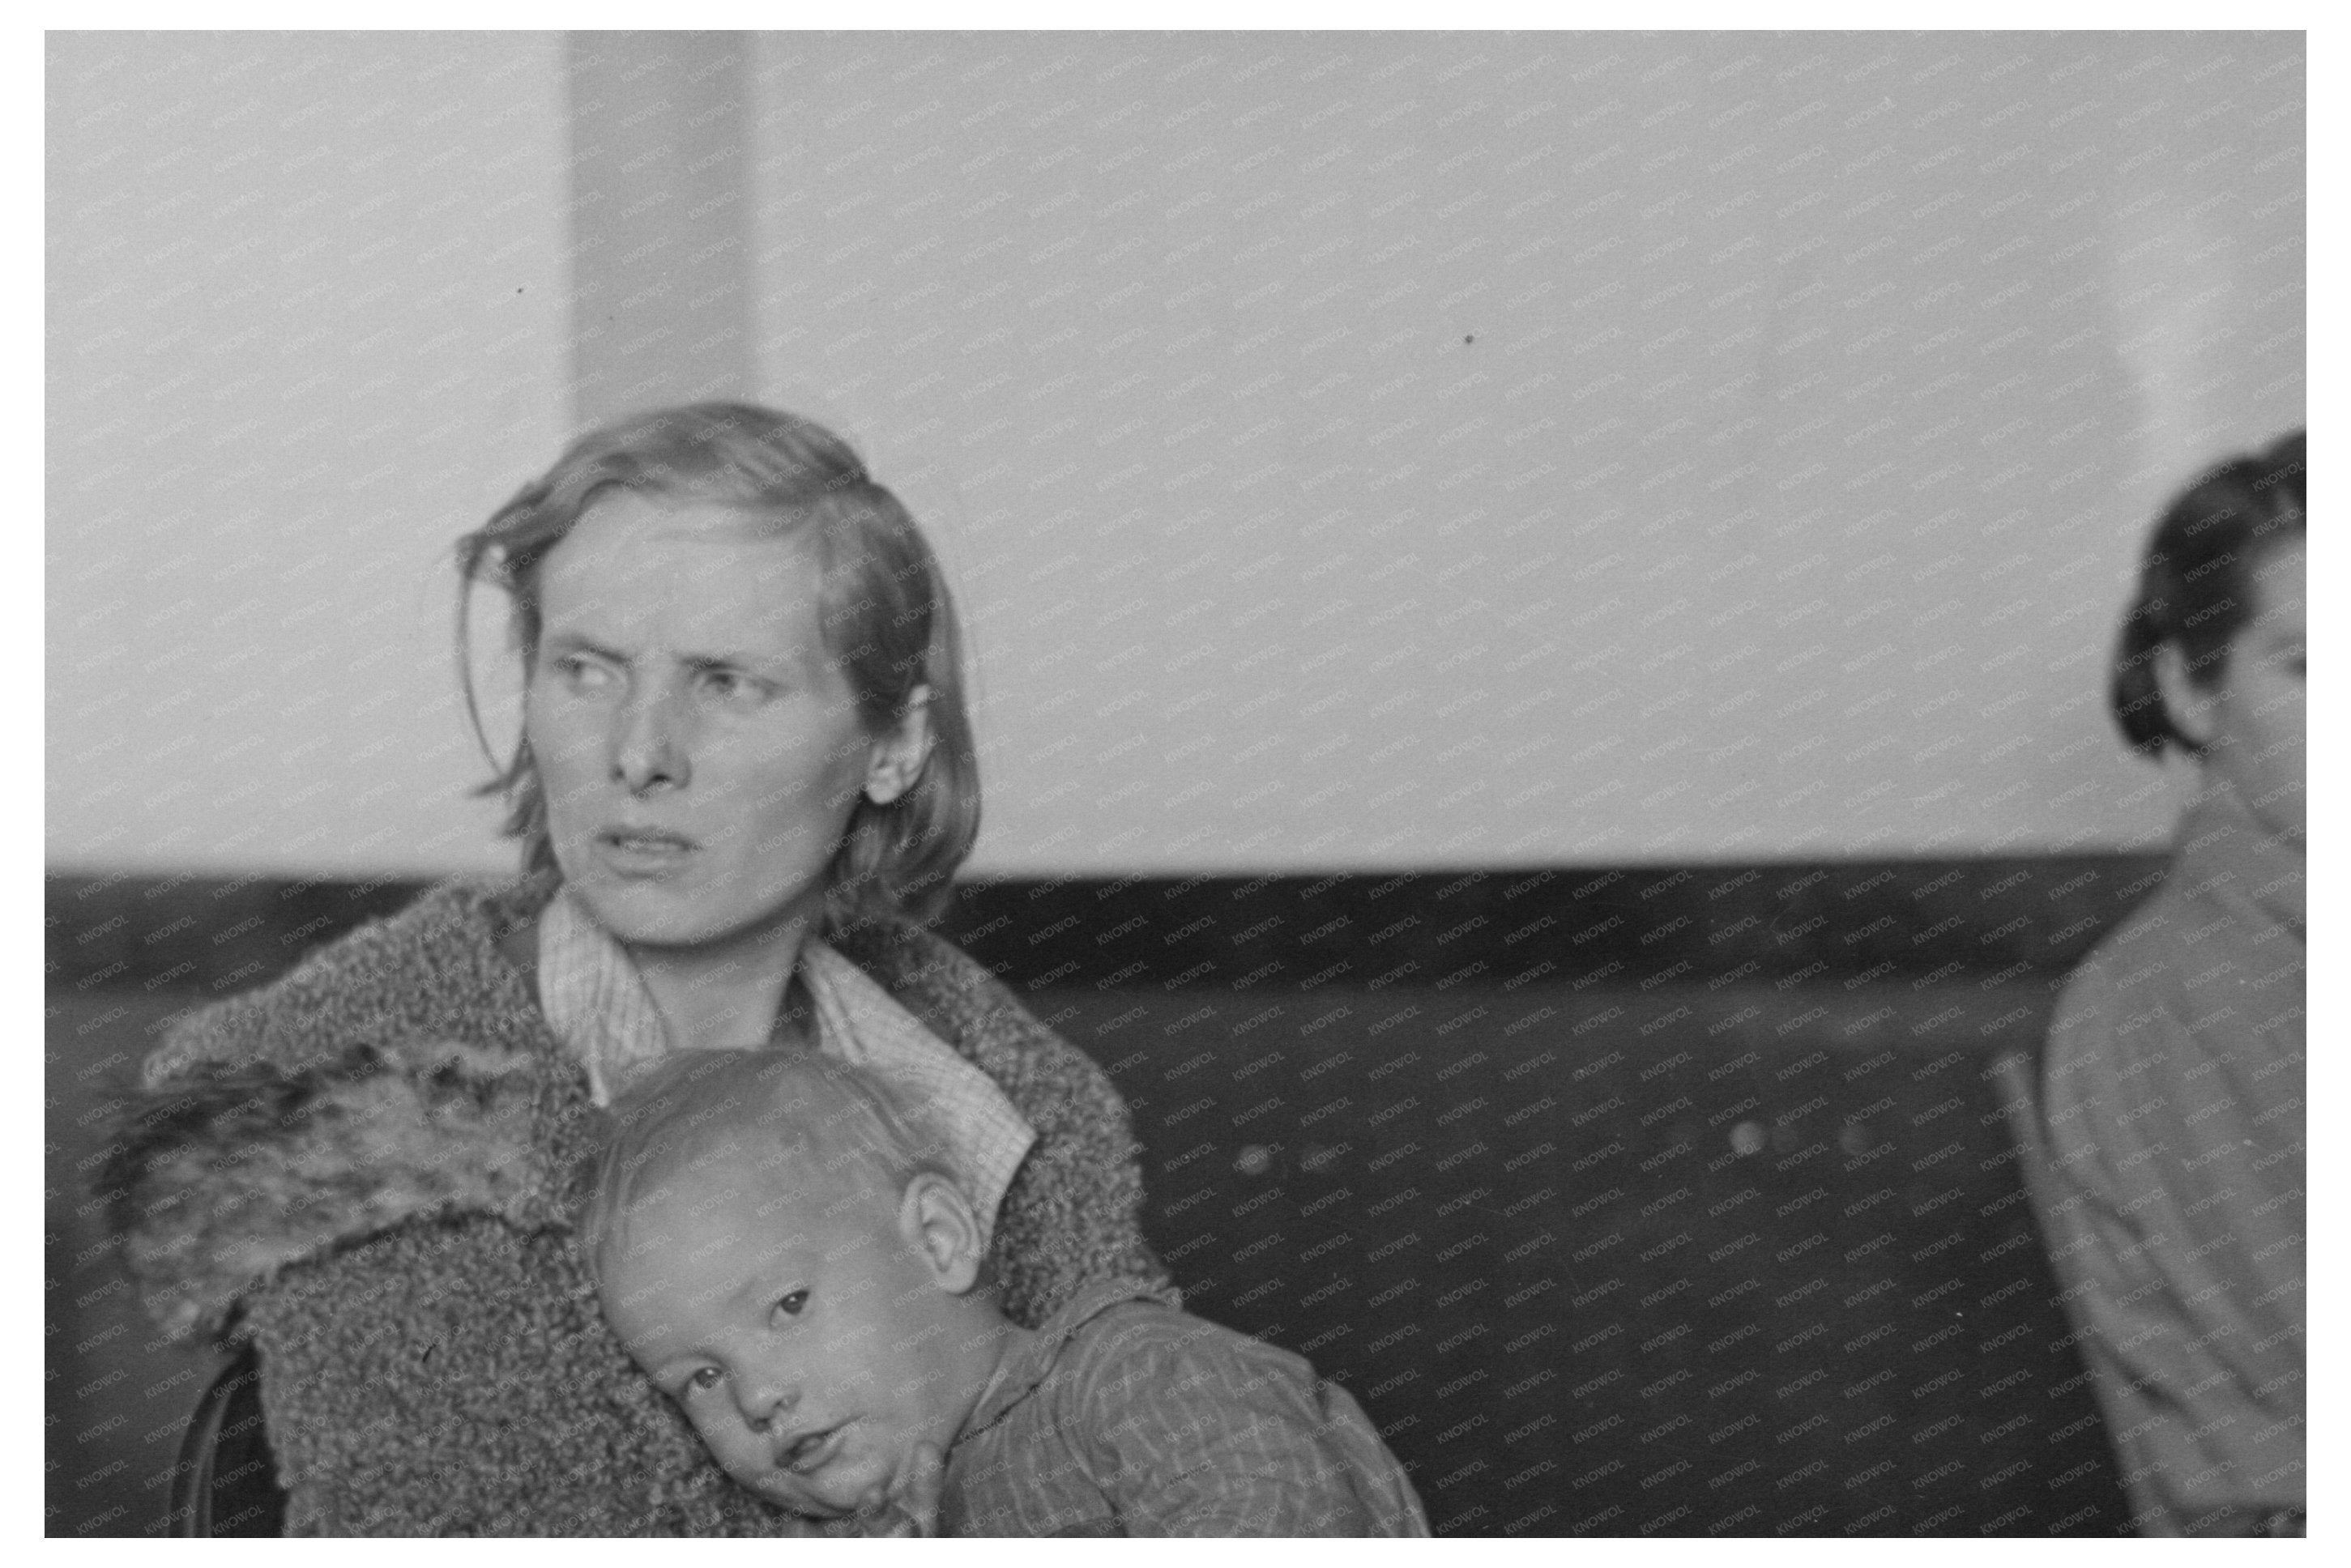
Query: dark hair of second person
(2197, 586)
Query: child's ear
(2189, 705)
(939, 1223)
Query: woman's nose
(649, 751)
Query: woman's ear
(898, 754)
(2189, 705)
(939, 1223)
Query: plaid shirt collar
(1026, 1370)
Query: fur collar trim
(233, 1174)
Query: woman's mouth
(643, 849)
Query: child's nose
(763, 1399)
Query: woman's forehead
(624, 524)
(684, 574)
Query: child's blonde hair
(784, 1110)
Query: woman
(745, 772)
(2174, 1207)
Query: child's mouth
(808, 1451)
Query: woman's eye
(580, 674)
(791, 1305)
(731, 687)
(702, 1380)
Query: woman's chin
(642, 913)
(663, 914)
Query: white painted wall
(1821, 391)
(307, 300)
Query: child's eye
(702, 1380)
(791, 1304)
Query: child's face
(800, 1330)
(2258, 714)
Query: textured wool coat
(370, 1167)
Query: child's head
(774, 1247)
(2210, 656)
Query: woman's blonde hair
(889, 622)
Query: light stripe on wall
(661, 305)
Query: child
(2174, 1208)
(782, 1245)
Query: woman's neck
(731, 996)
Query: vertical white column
(661, 221)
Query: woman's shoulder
(2122, 1016)
(954, 994)
(434, 969)
(2132, 963)
(390, 1076)
(956, 997)
(1073, 1213)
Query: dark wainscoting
(1670, 1200)
(1623, 926)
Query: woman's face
(2258, 719)
(699, 750)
